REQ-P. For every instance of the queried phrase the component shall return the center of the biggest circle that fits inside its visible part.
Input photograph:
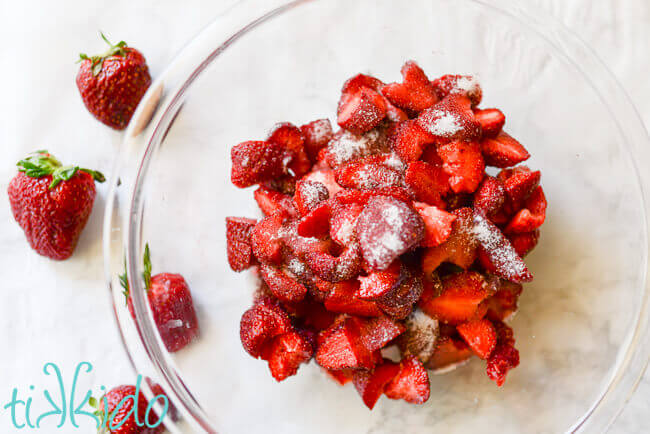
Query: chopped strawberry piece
(289, 136)
(419, 338)
(459, 300)
(285, 354)
(271, 201)
(325, 177)
(370, 384)
(490, 196)
(339, 347)
(503, 359)
(503, 303)
(346, 146)
(387, 228)
(451, 119)
(408, 139)
(260, 324)
(519, 183)
(353, 84)
(379, 283)
(448, 353)
(283, 286)
(411, 383)
(491, 120)
(343, 222)
(362, 197)
(505, 335)
(375, 333)
(335, 268)
(465, 85)
(480, 336)
(415, 93)
(238, 236)
(256, 161)
(398, 302)
(437, 224)
(343, 376)
(317, 135)
(496, 254)
(532, 216)
(309, 194)
(341, 298)
(316, 222)
(524, 242)
(367, 176)
(428, 182)
(460, 247)
(503, 151)
(361, 111)
(266, 241)
(463, 162)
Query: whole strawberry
(124, 419)
(171, 303)
(52, 203)
(112, 84)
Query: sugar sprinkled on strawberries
(502, 255)
(445, 124)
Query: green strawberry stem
(124, 282)
(42, 163)
(98, 61)
(146, 275)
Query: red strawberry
(317, 135)
(325, 177)
(363, 175)
(266, 241)
(411, 383)
(428, 182)
(361, 111)
(370, 384)
(339, 347)
(398, 302)
(283, 286)
(346, 146)
(315, 223)
(524, 242)
(112, 84)
(519, 182)
(342, 298)
(254, 162)
(465, 85)
(415, 93)
(463, 162)
(52, 203)
(286, 353)
(335, 268)
(503, 303)
(238, 236)
(490, 196)
(437, 224)
(379, 283)
(289, 137)
(460, 247)
(386, 228)
(532, 216)
(408, 139)
(448, 353)
(260, 324)
(342, 376)
(375, 333)
(496, 254)
(461, 295)
(503, 151)
(309, 194)
(451, 119)
(271, 201)
(491, 120)
(120, 414)
(480, 336)
(362, 197)
(343, 222)
(503, 359)
(419, 338)
(352, 85)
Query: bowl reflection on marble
(582, 326)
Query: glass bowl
(582, 328)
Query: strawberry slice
(524, 242)
(459, 300)
(503, 303)
(261, 323)
(341, 298)
(398, 302)
(375, 333)
(317, 135)
(379, 283)
(415, 93)
(437, 224)
(491, 120)
(309, 194)
(335, 268)
(490, 196)
(460, 247)
(362, 197)
(361, 111)
(257, 161)
(325, 177)
(464, 164)
(408, 139)
(451, 119)
(419, 338)
(316, 222)
(465, 85)
(480, 336)
(343, 222)
(532, 216)
(353, 84)
(271, 201)
(265, 239)
(238, 236)
(428, 182)
(289, 136)
(503, 359)
(387, 228)
(411, 383)
(496, 254)
(343, 376)
(283, 286)
(339, 347)
(286, 353)
(370, 384)
(363, 175)
(346, 146)
(448, 354)
(519, 182)
(503, 151)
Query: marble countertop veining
(51, 311)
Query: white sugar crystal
(444, 124)
(467, 84)
(502, 254)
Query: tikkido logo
(24, 415)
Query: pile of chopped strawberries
(388, 232)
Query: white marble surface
(60, 311)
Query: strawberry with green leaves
(116, 411)
(113, 83)
(52, 202)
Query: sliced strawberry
(353, 84)
(317, 135)
(399, 301)
(375, 333)
(361, 111)
(460, 247)
(316, 222)
(430, 156)
(379, 283)
(503, 359)
(490, 196)
(503, 303)
(346, 146)
(256, 161)
(461, 295)
(343, 222)
(238, 236)
(496, 254)
(451, 119)
(285, 354)
(289, 136)
(465, 85)
(266, 240)
(343, 376)
(463, 162)
(271, 201)
(260, 324)
(505, 335)
(480, 336)
(415, 93)
(370, 384)
(532, 216)
(437, 224)
(283, 286)
(309, 194)
(335, 268)
(408, 139)
(362, 197)
(519, 182)
(339, 347)
(524, 242)
(387, 228)
(428, 182)
(367, 176)
(341, 298)
(419, 338)
(411, 383)
(325, 177)
(491, 120)
(448, 353)
(503, 151)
